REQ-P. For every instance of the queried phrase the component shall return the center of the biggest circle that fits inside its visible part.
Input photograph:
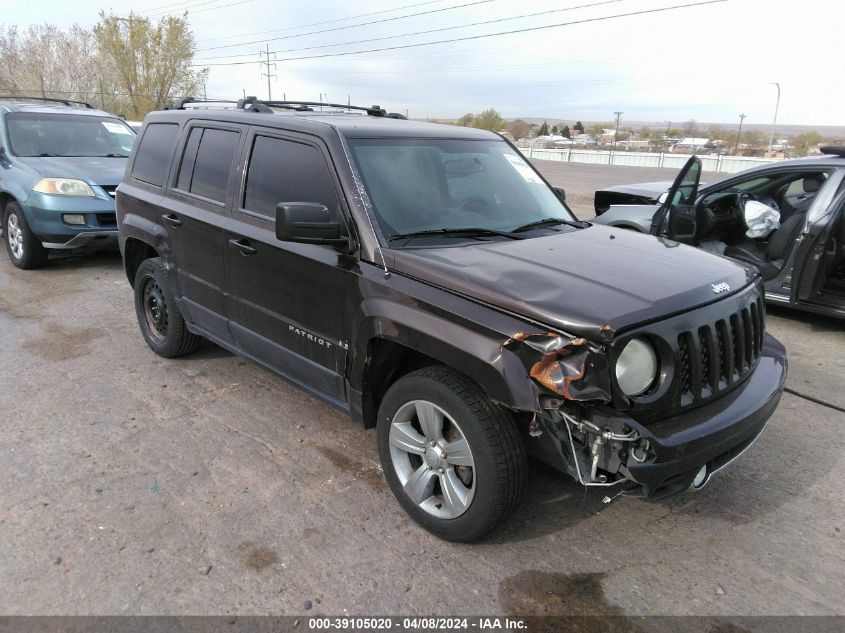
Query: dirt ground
(204, 485)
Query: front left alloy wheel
(25, 250)
(454, 460)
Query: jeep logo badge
(722, 287)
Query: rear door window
(152, 157)
(281, 170)
(207, 162)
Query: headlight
(64, 187)
(636, 367)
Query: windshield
(418, 185)
(37, 134)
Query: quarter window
(286, 171)
(152, 157)
(207, 161)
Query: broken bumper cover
(712, 435)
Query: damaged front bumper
(600, 446)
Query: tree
(466, 120)
(45, 59)
(690, 128)
(565, 132)
(489, 120)
(596, 130)
(544, 129)
(555, 129)
(152, 63)
(518, 129)
(578, 127)
(806, 141)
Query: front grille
(717, 356)
(106, 219)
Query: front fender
(475, 351)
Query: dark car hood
(96, 170)
(579, 281)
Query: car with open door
(785, 219)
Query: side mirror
(560, 192)
(663, 197)
(308, 223)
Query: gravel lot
(138, 485)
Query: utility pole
(775, 120)
(739, 132)
(615, 134)
(43, 94)
(102, 95)
(266, 62)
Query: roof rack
(833, 150)
(254, 104)
(66, 102)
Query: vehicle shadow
(94, 256)
(552, 502)
(817, 322)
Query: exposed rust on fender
(550, 373)
(563, 364)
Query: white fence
(721, 164)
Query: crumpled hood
(580, 281)
(96, 170)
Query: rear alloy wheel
(25, 250)
(158, 315)
(453, 459)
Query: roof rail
(66, 102)
(254, 104)
(180, 103)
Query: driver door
(677, 218)
(817, 246)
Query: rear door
(288, 303)
(201, 198)
(677, 217)
(817, 247)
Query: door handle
(172, 220)
(243, 246)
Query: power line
(303, 26)
(189, 9)
(437, 30)
(486, 35)
(176, 4)
(349, 26)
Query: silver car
(802, 261)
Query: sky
(709, 62)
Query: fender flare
(478, 354)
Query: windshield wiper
(115, 156)
(457, 232)
(549, 222)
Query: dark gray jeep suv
(429, 282)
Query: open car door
(817, 250)
(677, 216)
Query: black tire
(159, 318)
(30, 252)
(496, 446)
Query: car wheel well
(387, 362)
(134, 253)
(5, 199)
